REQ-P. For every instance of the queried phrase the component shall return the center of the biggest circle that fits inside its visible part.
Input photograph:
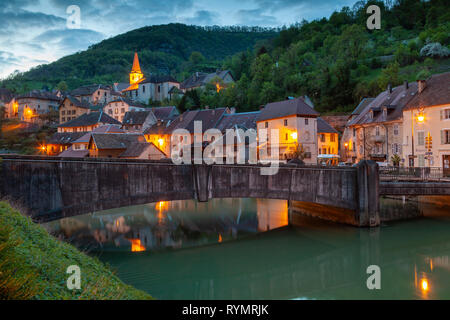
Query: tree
(396, 160)
(62, 86)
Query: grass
(33, 265)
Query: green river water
(256, 249)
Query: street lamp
(420, 119)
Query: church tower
(136, 74)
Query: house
(8, 101)
(348, 140)
(36, 103)
(138, 121)
(165, 113)
(61, 141)
(147, 89)
(87, 122)
(296, 122)
(243, 126)
(94, 94)
(129, 146)
(160, 133)
(200, 80)
(327, 143)
(71, 108)
(118, 107)
(426, 124)
(377, 131)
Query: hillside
(163, 49)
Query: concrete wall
(52, 188)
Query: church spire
(136, 74)
(136, 68)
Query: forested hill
(163, 49)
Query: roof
(199, 79)
(108, 128)
(394, 102)
(6, 95)
(115, 140)
(364, 102)
(159, 128)
(245, 120)
(84, 138)
(78, 103)
(208, 117)
(120, 86)
(89, 119)
(175, 90)
(70, 153)
(164, 113)
(286, 108)
(324, 127)
(135, 117)
(159, 79)
(136, 67)
(43, 95)
(128, 101)
(88, 89)
(436, 92)
(65, 137)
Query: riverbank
(33, 265)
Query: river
(257, 249)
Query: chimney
(406, 85)
(389, 88)
(421, 85)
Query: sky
(34, 32)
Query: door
(446, 165)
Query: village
(395, 128)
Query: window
(324, 151)
(74, 111)
(332, 138)
(63, 119)
(285, 122)
(354, 132)
(266, 124)
(63, 112)
(116, 110)
(420, 138)
(306, 121)
(377, 131)
(322, 138)
(110, 111)
(396, 130)
(395, 148)
(286, 136)
(143, 88)
(122, 110)
(445, 137)
(159, 88)
(445, 114)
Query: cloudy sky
(34, 32)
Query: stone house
(138, 121)
(36, 103)
(377, 131)
(327, 143)
(127, 145)
(200, 79)
(94, 94)
(8, 101)
(87, 122)
(426, 118)
(296, 123)
(61, 141)
(71, 108)
(120, 106)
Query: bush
(434, 49)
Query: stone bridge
(49, 188)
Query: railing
(412, 174)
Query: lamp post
(420, 119)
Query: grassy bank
(33, 265)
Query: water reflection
(171, 224)
(293, 257)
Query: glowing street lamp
(294, 135)
(421, 118)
